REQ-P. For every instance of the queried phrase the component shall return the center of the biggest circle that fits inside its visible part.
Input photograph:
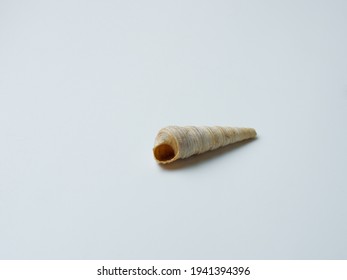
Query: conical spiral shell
(174, 142)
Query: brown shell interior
(164, 152)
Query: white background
(86, 85)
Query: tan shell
(174, 142)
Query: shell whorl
(174, 142)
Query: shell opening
(164, 152)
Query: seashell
(175, 142)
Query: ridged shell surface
(174, 142)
